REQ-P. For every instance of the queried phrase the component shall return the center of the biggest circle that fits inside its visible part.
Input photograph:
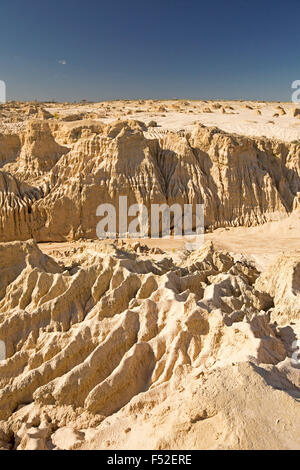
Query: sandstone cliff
(72, 169)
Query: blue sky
(96, 50)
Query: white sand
(240, 119)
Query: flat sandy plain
(263, 119)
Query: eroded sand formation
(120, 349)
(120, 346)
(50, 189)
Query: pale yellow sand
(263, 243)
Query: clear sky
(96, 50)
